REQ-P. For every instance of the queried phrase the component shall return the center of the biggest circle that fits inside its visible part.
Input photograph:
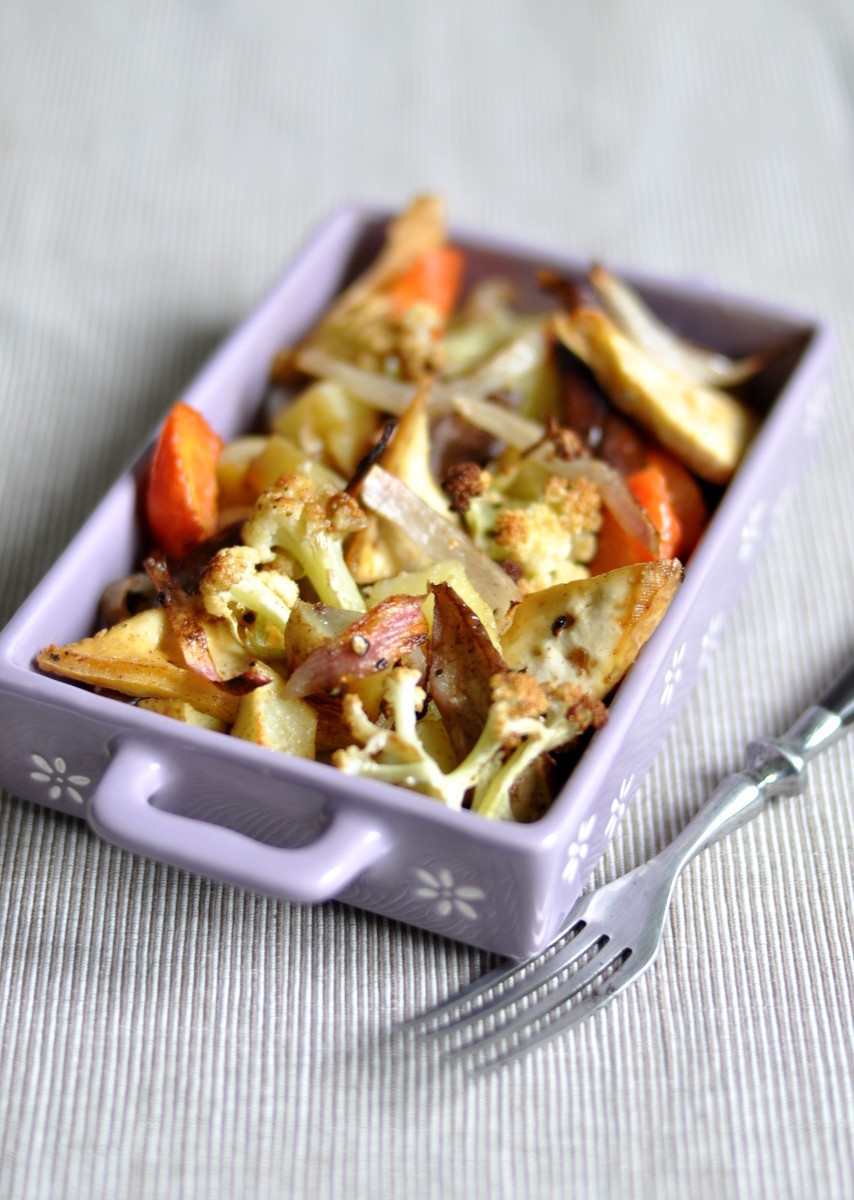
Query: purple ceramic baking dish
(303, 831)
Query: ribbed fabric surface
(163, 1036)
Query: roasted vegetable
(636, 320)
(548, 538)
(372, 643)
(271, 718)
(308, 523)
(524, 721)
(140, 657)
(707, 429)
(255, 601)
(181, 496)
(436, 538)
(590, 632)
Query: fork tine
(482, 999)
(604, 960)
(425, 1022)
(574, 1015)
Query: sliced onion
(386, 495)
(499, 422)
(638, 322)
(388, 395)
(511, 362)
(500, 372)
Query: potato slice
(408, 454)
(590, 631)
(180, 710)
(281, 456)
(707, 429)
(637, 321)
(417, 583)
(269, 718)
(235, 491)
(139, 657)
(328, 424)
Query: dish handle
(122, 812)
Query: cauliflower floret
(256, 601)
(550, 539)
(308, 522)
(524, 721)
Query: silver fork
(614, 933)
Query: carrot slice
(665, 505)
(181, 495)
(435, 278)
(649, 488)
(686, 499)
(616, 548)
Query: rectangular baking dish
(304, 832)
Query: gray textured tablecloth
(163, 1036)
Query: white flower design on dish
(578, 849)
(673, 675)
(55, 775)
(618, 807)
(447, 894)
(751, 533)
(711, 640)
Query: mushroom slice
(590, 631)
(124, 597)
(638, 322)
(707, 429)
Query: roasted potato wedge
(141, 657)
(329, 425)
(590, 631)
(707, 429)
(180, 710)
(270, 718)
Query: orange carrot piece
(649, 488)
(181, 494)
(435, 279)
(616, 548)
(686, 499)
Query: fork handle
(776, 766)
